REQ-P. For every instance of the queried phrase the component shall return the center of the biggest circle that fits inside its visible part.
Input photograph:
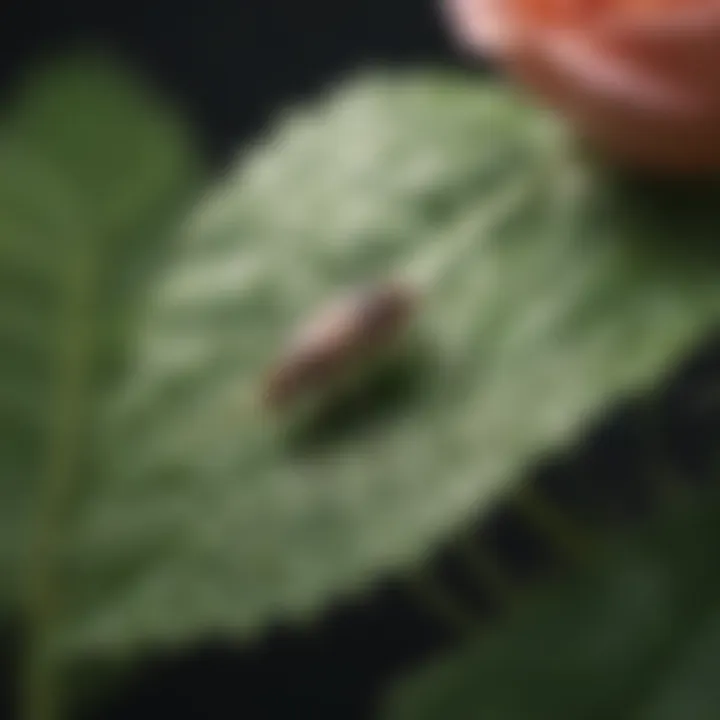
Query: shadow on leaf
(391, 391)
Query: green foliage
(635, 635)
(147, 498)
(93, 167)
(550, 293)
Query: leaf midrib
(61, 455)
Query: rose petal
(480, 25)
(640, 77)
(683, 46)
(595, 79)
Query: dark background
(229, 64)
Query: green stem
(486, 570)
(67, 418)
(568, 540)
(441, 604)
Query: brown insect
(345, 334)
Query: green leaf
(94, 166)
(551, 291)
(635, 635)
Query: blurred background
(229, 66)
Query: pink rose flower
(639, 78)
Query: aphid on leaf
(347, 335)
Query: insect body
(343, 337)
